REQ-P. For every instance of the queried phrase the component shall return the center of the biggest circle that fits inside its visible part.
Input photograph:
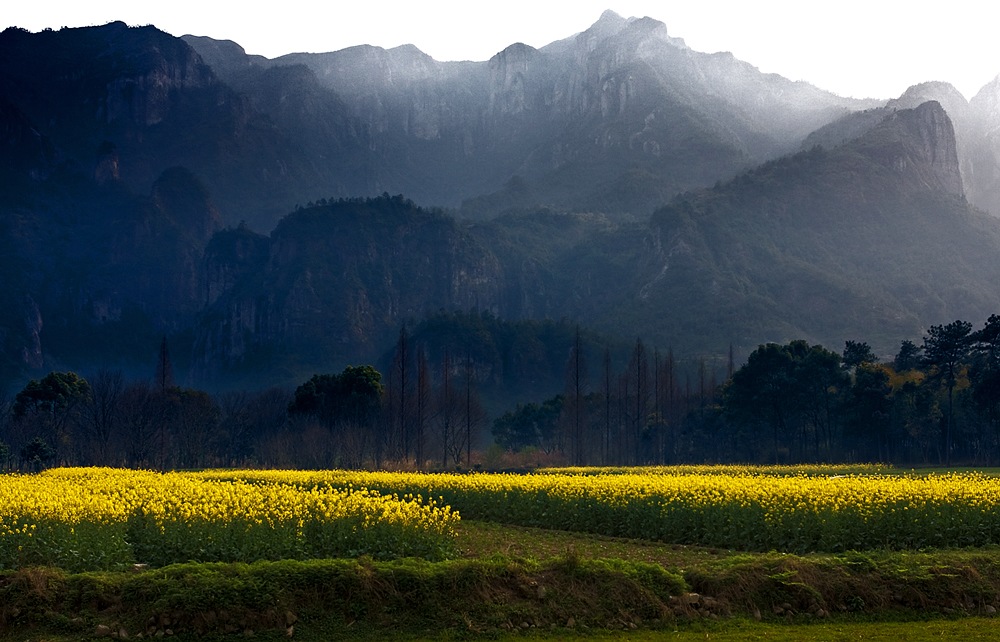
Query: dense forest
(935, 402)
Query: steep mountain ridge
(602, 116)
(611, 117)
(112, 204)
(870, 240)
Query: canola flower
(91, 518)
(84, 519)
(783, 470)
(745, 508)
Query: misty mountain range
(155, 185)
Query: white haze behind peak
(854, 48)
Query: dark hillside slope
(871, 240)
(332, 284)
(148, 96)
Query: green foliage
(909, 356)
(36, 454)
(351, 396)
(857, 353)
(868, 406)
(56, 392)
(946, 347)
(530, 425)
(784, 387)
(903, 596)
(944, 351)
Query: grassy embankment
(514, 581)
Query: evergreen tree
(945, 350)
(908, 357)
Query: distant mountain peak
(942, 92)
(608, 25)
(516, 51)
(611, 25)
(609, 19)
(409, 50)
(988, 98)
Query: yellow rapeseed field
(93, 518)
(102, 518)
(748, 508)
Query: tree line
(936, 402)
(933, 403)
(349, 419)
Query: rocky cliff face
(97, 270)
(234, 256)
(113, 77)
(924, 147)
(510, 91)
(25, 154)
(147, 95)
(975, 124)
(336, 281)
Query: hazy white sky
(870, 48)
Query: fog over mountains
(159, 186)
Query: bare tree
(267, 412)
(399, 407)
(638, 373)
(423, 401)
(164, 368)
(574, 402)
(446, 411)
(142, 419)
(606, 437)
(6, 420)
(102, 412)
(235, 426)
(473, 414)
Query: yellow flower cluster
(728, 469)
(97, 518)
(100, 518)
(749, 508)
